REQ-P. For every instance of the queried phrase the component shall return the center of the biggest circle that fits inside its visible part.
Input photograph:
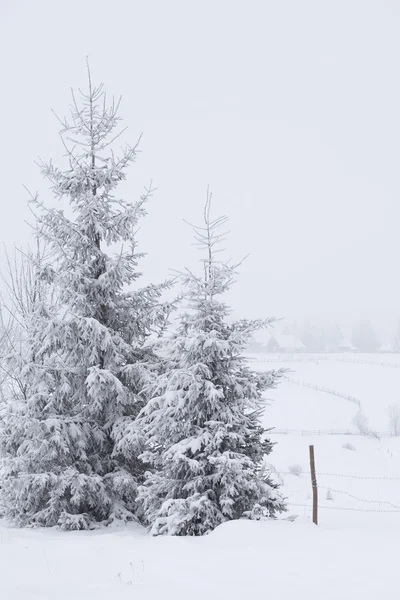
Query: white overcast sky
(289, 110)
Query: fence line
(394, 507)
(371, 477)
(315, 358)
(368, 510)
(320, 388)
(312, 432)
(367, 433)
(320, 432)
(323, 487)
(286, 358)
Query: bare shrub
(361, 422)
(348, 446)
(295, 470)
(394, 419)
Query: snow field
(351, 555)
(239, 559)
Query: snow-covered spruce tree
(205, 440)
(395, 346)
(89, 354)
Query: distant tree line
(312, 338)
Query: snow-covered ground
(239, 560)
(351, 555)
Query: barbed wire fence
(345, 475)
(382, 506)
(346, 508)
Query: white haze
(289, 110)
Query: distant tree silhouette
(365, 338)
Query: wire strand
(374, 510)
(343, 475)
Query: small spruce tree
(205, 441)
(64, 458)
(396, 341)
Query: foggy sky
(289, 111)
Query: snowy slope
(365, 477)
(376, 386)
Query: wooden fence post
(314, 486)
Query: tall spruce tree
(65, 461)
(205, 440)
